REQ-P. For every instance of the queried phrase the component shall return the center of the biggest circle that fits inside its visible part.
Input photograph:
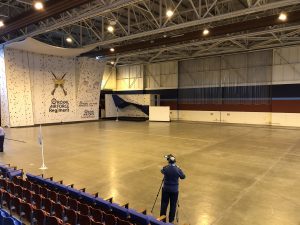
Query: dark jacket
(171, 174)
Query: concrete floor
(236, 175)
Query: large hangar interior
(112, 110)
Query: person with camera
(170, 190)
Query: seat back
(26, 211)
(70, 216)
(15, 204)
(138, 218)
(123, 222)
(96, 214)
(83, 209)
(35, 188)
(83, 219)
(58, 210)
(63, 199)
(73, 204)
(119, 211)
(37, 200)
(47, 205)
(39, 216)
(109, 219)
(52, 220)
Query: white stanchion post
(117, 119)
(41, 141)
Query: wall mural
(50, 89)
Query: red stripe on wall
(226, 107)
(286, 106)
(280, 106)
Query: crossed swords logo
(59, 82)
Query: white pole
(43, 167)
(117, 119)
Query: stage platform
(236, 175)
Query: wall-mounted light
(69, 40)
(1, 23)
(110, 29)
(111, 49)
(169, 13)
(38, 5)
(282, 16)
(205, 32)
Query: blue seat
(104, 205)
(88, 198)
(2, 216)
(5, 169)
(74, 192)
(154, 221)
(138, 218)
(31, 177)
(119, 211)
(62, 188)
(14, 173)
(4, 212)
(11, 221)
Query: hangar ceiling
(143, 32)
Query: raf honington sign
(59, 106)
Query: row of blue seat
(6, 219)
(138, 217)
(10, 172)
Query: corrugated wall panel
(161, 75)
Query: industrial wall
(261, 87)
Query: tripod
(157, 195)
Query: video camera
(170, 158)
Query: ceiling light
(169, 13)
(112, 62)
(282, 16)
(38, 5)
(69, 40)
(112, 49)
(1, 23)
(110, 29)
(205, 32)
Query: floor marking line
(10, 139)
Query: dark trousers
(1, 143)
(167, 197)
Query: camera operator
(170, 192)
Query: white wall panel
(18, 88)
(130, 78)
(3, 92)
(109, 78)
(260, 118)
(203, 72)
(200, 116)
(88, 91)
(286, 119)
(286, 65)
(161, 75)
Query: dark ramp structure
(120, 103)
